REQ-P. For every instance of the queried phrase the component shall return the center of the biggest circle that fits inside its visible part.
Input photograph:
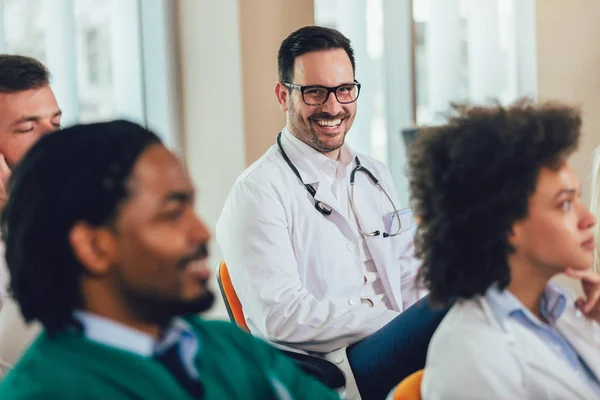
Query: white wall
(211, 98)
(568, 59)
(264, 24)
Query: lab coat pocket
(390, 221)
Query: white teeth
(196, 266)
(334, 122)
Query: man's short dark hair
(79, 174)
(306, 40)
(20, 73)
(471, 180)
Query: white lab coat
(290, 265)
(472, 357)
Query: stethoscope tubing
(327, 210)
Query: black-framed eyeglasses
(315, 95)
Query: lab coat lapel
(324, 195)
(583, 334)
(368, 205)
(338, 216)
(549, 364)
(538, 357)
(528, 348)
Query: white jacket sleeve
(252, 233)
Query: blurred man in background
(28, 111)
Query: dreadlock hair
(79, 174)
(471, 181)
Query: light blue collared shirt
(113, 334)
(505, 305)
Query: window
(473, 51)
(107, 59)
(94, 67)
(415, 57)
(362, 22)
(20, 38)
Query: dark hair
(19, 73)
(471, 180)
(77, 174)
(306, 40)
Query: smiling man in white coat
(318, 252)
(500, 179)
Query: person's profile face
(557, 232)
(162, 243)
(322, 127)
(24, 118)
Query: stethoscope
(326, 210)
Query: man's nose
(199, 230)
(332, 105)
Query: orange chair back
(232, 303)
(409, 388)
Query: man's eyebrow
(34, 118)
(179, 196)
(563, 192)
(30, 118)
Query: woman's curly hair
(472, 179)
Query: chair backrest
(409, 388)
(232, 303)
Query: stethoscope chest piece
(323, 208)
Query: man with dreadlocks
(105, 250)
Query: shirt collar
(554, 302)
(115, 334)
(177, 330)
(504, 304)
(310, 161)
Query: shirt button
(350, 246)
(353, 301)
(339, 359)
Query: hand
(4, 176)
(590, 281)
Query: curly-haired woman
(501, 215)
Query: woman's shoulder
(469, 322)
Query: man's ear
(282, 96)
(514, 235)
(94, 247)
